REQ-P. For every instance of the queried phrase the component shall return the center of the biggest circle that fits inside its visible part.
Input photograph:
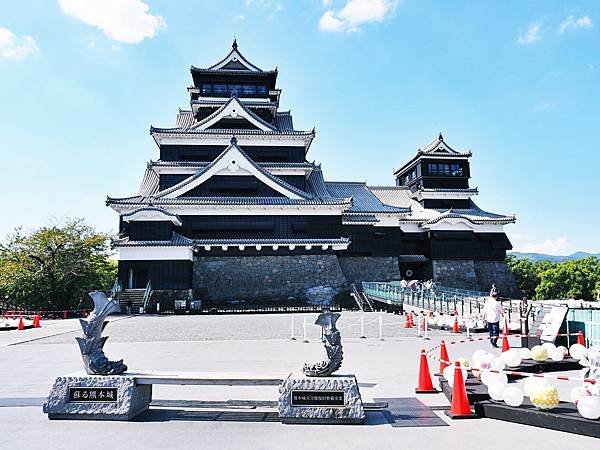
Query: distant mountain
(553, 258)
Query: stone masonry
(476, 275)
(369, 268)
(314, 279)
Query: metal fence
(441, 299)
(586, 320)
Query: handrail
(357, 297)
(147, 295)
(116, 287)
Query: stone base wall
(476, 275)
(369, 268)
(314, 279)
(498, 271)
(455, 273)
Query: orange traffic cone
(444, 358)
(408, 323)
(505, 344)
(460, 407)
(506, 327)
(455, 326)
(36, 321)
(21, 325)
(65, 315)
(581, 338)
(425, 385)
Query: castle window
(453, 170)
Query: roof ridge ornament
(233, 140)
(440, 137)
(234, 45)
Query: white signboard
(548, 321)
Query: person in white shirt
(493, 312)
(403, 283)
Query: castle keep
(232, 210)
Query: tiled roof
(393, 195)
(201, 172)
(216, 201)
(473, 215)
(469, 190)
(150, 183)
(315, 184)
(412, 258)
(245, 108)
(283, 121)
(185, 119)
(200, 70)
(239, 132)
(363, 200)
(359, 219)
(199, 164)
(178, 240)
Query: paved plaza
(31, 359)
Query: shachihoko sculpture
(92, 343)
(333, 347)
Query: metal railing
(116, 287)
(147, 295)
(441, 299)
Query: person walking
(493, 313)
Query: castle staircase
(135, 295)
(363, 302)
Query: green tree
(527, 273)
(50, 267)
(579, 278)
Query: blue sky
(517, 82)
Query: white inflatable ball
(544, 397)
(498, 363)
(578, 392)
(539, 353)
(513, 396)
(477, 357)
(589, 407)
(525, 353)
(489, 378)
(512, 357)
(549, 346)
(556, 355)
(532, 383)
(564, 350)
(577, 351)
(496, 390)
(448, 372)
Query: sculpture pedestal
(320, 400)
(93, 397)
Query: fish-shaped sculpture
(333, 347)
(92, 343)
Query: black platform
(531, 366)
(564, 417)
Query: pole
(419, 319)
(292, 329)
(304, 330)
(362, 327)
(426, 323)
(467, 323)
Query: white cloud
(559, 246)
(573, 23)
(534, 33)
(355, 13)
(125, 21)
(15, 47)
(239, 18)
(543, 105)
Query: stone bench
(122, 397)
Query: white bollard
(362, 327)
(304, 330)
(468, 328)
(426, 323)
(292, 337)
(380, 328)
(419, 319)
